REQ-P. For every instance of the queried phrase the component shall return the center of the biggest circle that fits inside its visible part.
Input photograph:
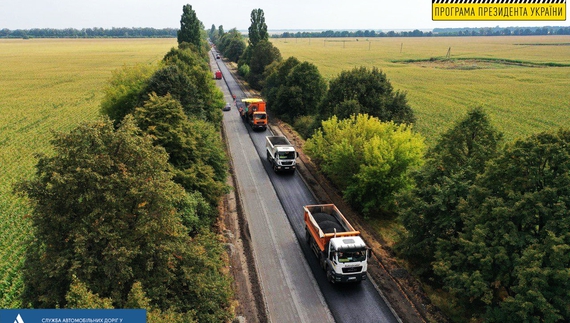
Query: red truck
(218, 75)
(252, 111)
(341, 251)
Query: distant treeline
(172, 32)
(89, 33)
(494, 31)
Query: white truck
(281, 153)
(341, 251)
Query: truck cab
(254, 113)
(281, 153)
(259, 120)
(347, 260)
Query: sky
(281, 15)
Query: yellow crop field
(49, 85)
(509, 76)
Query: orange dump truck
(252, 111)
(341, 251)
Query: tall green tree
(212, 33)
(257, 33)
(258, 29)
(263, 54)
(373, 92)
(94, 204)
(232, 45)
(190, 27)
(194, 148)
(276, 77)
(185, 77)
(294, 89)
(367, 159)
(105, 214)
(512, 260)
(429, 212)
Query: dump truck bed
(325, 221)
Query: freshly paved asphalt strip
(290, 291)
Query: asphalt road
(294, 285)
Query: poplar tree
(190, 27)
(258, 28)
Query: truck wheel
(322, 262)
(307, 236)
(329, 276)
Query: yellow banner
(498, 11)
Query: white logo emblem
(19, 319)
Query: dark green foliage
(104, 217)
(95, 209)
(513, 256)
(245, 59)
(429, 212)
(210, 290)
(306, 125)
(172, 79)
(260, 52)
(194, 148)
(213, 34)
(262, 55)
(190, 27)
(191, 86)
(232, 45)
(96, 32)
(373, 93)
(79, 296)
(186, 57)
(235, 49)
(258, 29)
(124, 90)
(293, 89)
(275, 78)
(184, 74)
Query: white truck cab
(281, 153)
(347, 259)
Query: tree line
(482, 219)
(436, 32)
(148, 32)
(124, 209)
(115, 32)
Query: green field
(49, 85)
(520, 98)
